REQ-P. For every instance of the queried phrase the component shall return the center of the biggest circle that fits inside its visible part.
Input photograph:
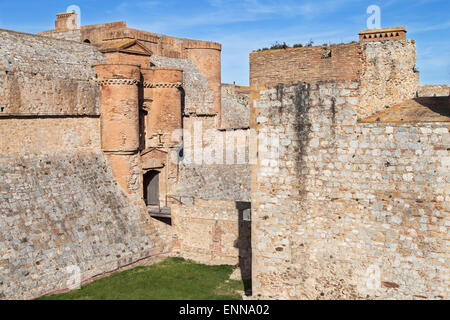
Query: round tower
(207, 57)
(163, 102)
(120, 121)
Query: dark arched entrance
(151, 188)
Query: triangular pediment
(131, 46)
(136, 47)
(153, 158)
(154, 151)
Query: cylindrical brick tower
(207, 57)
(120, 121)
(163, 101)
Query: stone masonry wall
(235, 107)
(433, 90)
(60, 205)
(207, 226)
(31, 135)
(216, 162)
(207, 194)
(71, 35)
(348, 210)
(44, 76)
(198, 96)
(388, 75)
(61, 209)
(213, 232)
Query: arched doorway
(151, 188)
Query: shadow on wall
(244, 243)
(439, 105)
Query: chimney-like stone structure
(394, 33)
(120, 119)
(66, 21)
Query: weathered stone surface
(433, 90)
(59, 210)
(388, 75)
(342, 208)
(43, 76)
(235, 107)
(218, 182)
(214, 232)
(29, 135)
(198, 96)
(348, 206)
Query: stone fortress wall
(353, 193)
(350, 207)
(384, 69)
(41, 75)
(212, 185)
(60, 205)
(349, 201)
(433, 90)
(207, 218)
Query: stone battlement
(395, 33)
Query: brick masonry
(308, 64)
(60, 204)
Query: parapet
(313, 64)
(394, 33)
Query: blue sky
(244, 25)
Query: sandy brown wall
(43, 76)
(433, 90)
(347, 210)
(60, 205)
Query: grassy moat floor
(172, 279)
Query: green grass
(172, 279)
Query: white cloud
(220, 12)
(419, 28)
